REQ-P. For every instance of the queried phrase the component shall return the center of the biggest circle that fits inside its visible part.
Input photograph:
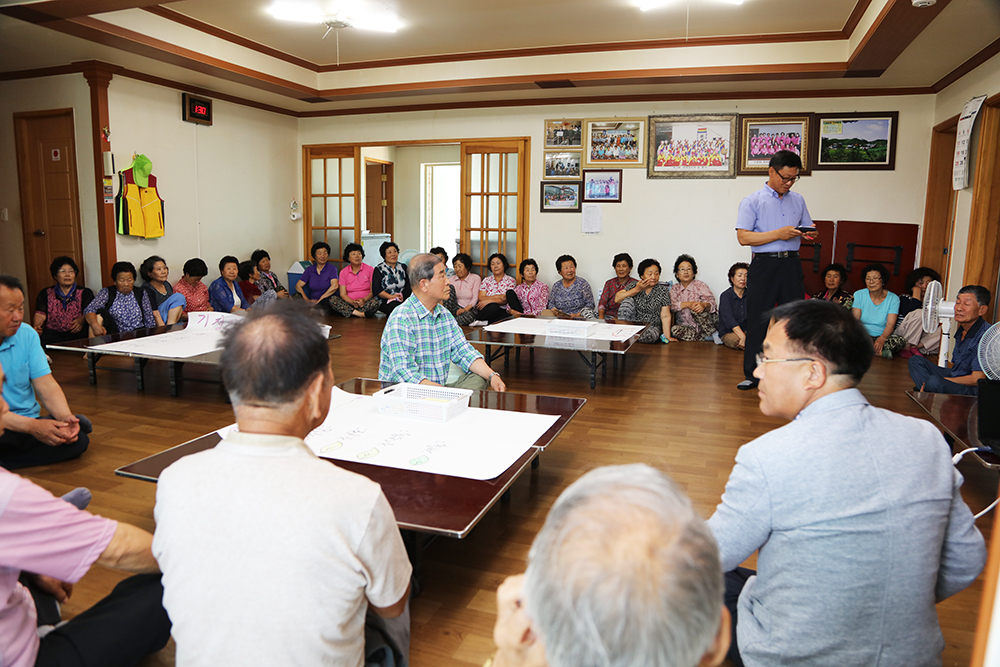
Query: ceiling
(474, 53)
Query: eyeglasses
(790, 180)
(761, 360)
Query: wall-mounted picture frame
(602, 186)
(615, 142)
(864, 141)
(763, 135)
(562, 164)
(696, 146)
(564, 133)
(561, 197)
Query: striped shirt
(417, 344)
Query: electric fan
(936, 310)
(989, 352)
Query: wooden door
(50, 201)
(939, 208)
(494, 201)
(378, 196)
(332, 183)
(894, 245)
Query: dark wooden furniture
(594, 353)
(432, 504)
(957, 417)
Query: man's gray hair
(624, 573)
(981, 294)
(422, 268)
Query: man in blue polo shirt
(27, 439)
(972, 303)
(767, 222)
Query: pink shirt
(696, 291)
(357, 285)
(45, 535)
(494, 288)
(534, 297)
(467, 291)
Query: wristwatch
(490, 378)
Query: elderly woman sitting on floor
(59, 308)
(878, 310)
(693, 303)
(615, 288)
(649, 304)
(571, 296)
(119, 307)
(532, 295)
(834, 279)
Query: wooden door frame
(24, 188)
(937, 231)
(390, 197)
(323, 151)
(982, 257)
(316, 150)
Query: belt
(783, 253)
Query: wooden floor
(675, 407)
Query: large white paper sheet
(355, 431)
(203, 334)
(536, 326)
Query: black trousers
(21, 450)
(735, 581)
(119, 631)
(493, 312)
(771, 281)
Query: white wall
(226, 187)
(984, 80)
(409, 178)
(55, 92)
(663, 218)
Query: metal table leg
(176, 375)
(140, 367)
(92, 358)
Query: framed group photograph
(856, 140)
(564, 133)
(561, 197)
(602, 185)
(562, 164)
(692, 146)
(615, 142)
(763, 135)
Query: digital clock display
(197, 110)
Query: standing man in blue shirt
(25, 438)
(767, 222)
(962, 378)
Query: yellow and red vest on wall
(138, 206)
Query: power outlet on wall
(3, 214)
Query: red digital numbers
(201, 110)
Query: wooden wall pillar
(99, 76)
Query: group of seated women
(358, 289)
(685, 310)
(64, 309)
(880, 311)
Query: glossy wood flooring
(675, 407)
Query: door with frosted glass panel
(494, 201)
(332, 208)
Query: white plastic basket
(422, 401)
(570, 328)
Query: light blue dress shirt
(765, 211)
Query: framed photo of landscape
(855, 140)
(615, 142)
(702, 146)
(561, 197)
(562, 164)
(564, 133)
(602, 185)
(763, 135)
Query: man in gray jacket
(855, 512)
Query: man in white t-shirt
(270, 555)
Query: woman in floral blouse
(692, 301)
(59, 308)
(571, 296)
(532, 295)
(493, 290)
(650, 305)
(390, 281)
(119, 307)
(834, 279)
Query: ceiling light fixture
(356, 17)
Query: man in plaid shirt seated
(421, 337)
